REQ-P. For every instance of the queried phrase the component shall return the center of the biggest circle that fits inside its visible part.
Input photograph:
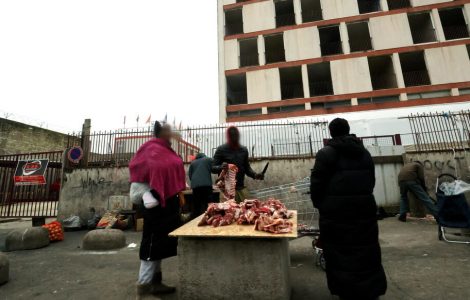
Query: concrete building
(292, 58)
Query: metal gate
(30, 201)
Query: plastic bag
(455, 187)
(56, 233)
(72, 222)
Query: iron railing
(456, 32)
(440, 131)
(415, 78)
(263, 140)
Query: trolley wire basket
(296, 196)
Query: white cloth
(149, 200)
(455, 187)
(137, 192)
(147, 270)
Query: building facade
(292, 58)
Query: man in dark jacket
(233, 152)
(411, 179)
(201, 183)
(342, 184)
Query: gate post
(85, 144)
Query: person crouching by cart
(232, 152)
(201, 183)
(157, 176)
(342, 183)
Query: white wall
(350, 75)
(231, 54)
(333, 9)
(426, 2)
(302, 43)
(263, 85)
(448, 64)
(390, 31)
(222, 82)
(225, 2)
(259, 16)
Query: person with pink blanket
(157, 176)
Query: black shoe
(402, 218)
(159, 288)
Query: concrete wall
(436, 163)
(448, 64)
(302, 43)
(350, 75)
(83, 189)
(263, 85)
(426, 2)
(231, 54)
(16, 137)
(259, 16)
(333, 9)
(390, 31)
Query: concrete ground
(418, 266)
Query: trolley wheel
(322, 261)
(439, 233)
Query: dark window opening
(274, 48)
(464, 91)
(319, 79)
(249, 52)
(317, 105)
(468, 50)
(414, 69)
(311, 10)
(368, 6)
(397, 4)
(453, 23)
(427, 95)
(382, 99)
(236, 89)
(382, 72)
(337, 103)
(287, 108)
(291, 83)
(233, 21)
(244, 113)
(240, 1)
(359, 37)
(422, 28)
(285, 14)
(330, 40)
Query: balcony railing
(320, 88)
(357, 45)
(247, 60)
(285, 20)
(456, 32)
(331, 48)
(414, 78)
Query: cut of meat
(270, 216)
(227, 182)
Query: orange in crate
(56, 233)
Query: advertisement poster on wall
(31, 172)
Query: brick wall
(16, 137)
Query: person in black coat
(342, 184)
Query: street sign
(75, 154)
(31, 172)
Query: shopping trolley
(296, 196)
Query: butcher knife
(265, 168)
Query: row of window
(381, 68)
(421, 27)
(343, 103)
(311, 11)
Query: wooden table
(232, 262)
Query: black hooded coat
(342, 184)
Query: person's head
(200, 155)
(162, 131)
(233, 136)
(338, 127)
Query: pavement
(418, 266)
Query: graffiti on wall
(91, 182)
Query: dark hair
(339, 127)
(157, 129)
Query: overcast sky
(63, 61)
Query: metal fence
(440, 131)
(263, 139)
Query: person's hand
(225, 166)
(259, 176)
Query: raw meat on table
(227, 182)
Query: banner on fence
(31, 172)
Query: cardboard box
(139, 225)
